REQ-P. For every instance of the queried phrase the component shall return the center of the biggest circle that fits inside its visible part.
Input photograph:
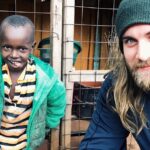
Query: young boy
(32, 99)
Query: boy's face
(16, 47)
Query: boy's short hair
(16, 21)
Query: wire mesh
(93, 22)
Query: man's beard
(141, 77)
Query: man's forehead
(137, 30)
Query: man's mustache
(142, 64)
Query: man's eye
(129, 42)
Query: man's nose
(143, 50)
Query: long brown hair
(127, 96)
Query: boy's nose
(14, 53)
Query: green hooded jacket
(49, 103)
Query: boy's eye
(22, 49)
(7, 48)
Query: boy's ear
(33, 44)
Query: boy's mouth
(15, 63)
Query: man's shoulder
(109, 79)
(107, 85)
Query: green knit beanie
(132, 12)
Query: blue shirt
(106, 131)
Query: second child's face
(16, 47)
(136, 48)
